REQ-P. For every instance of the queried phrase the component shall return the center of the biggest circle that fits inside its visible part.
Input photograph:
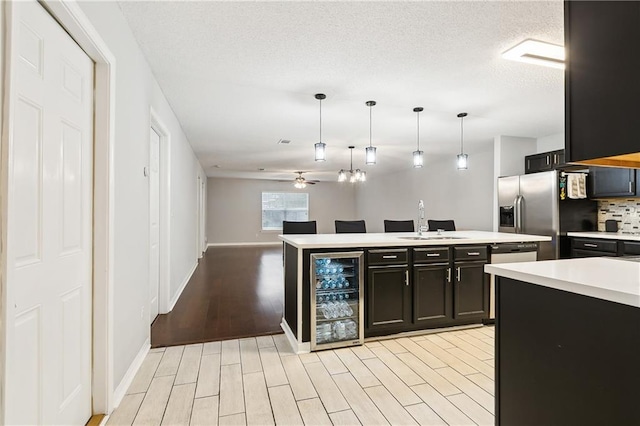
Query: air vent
(284, 142)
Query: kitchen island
(407, 282)
(567, 342)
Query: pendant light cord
(418, 135)
(370, 114)
(320, 120)
(461, 135)
(351, 164)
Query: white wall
(234, 212)
(508, 155)
(448, 193)
(551, 142)
(136, 92)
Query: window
(279, 206)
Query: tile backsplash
(625, 210)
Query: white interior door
(154, 220)
(49, 238)
(203, 215)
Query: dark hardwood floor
(234, 292)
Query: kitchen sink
(440, 237)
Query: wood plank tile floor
(434, 379)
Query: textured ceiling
(242, 75)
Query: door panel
(388, 295)
(432, 294)
(471, 299)
(154, 223)
(49, 245)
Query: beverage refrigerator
(337, 314)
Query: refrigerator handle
(516, 214)
(519, 214)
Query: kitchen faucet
(421, 225)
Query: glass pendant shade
(417, 159)
(320, 151)
(342, 176)
(370, 157)
(300, 185)
(352, 178)
(363, 176)
(358, 174)
(463, 161)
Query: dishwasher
(509, 253)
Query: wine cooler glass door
(337, 317)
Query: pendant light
(354, 176)
(320, 146)
(370, 151)
(417, 154)
(463, 159)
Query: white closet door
(49, 268)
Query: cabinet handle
(548, 160)
(458, 273)
(406, 277)
(448, 275)
(433, 254)
(395, 256)
(590, 245)
(473, 253)
(630, 187)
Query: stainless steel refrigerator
(531, 204)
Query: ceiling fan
(300, 182)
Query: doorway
(154, 223)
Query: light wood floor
(435, 379)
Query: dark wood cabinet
(631, 248)
(602, 87)
(425, 291)
(607, 182)
(471, 294)
(544, 161)
(388, 297)
(432, 294)
(593, 247)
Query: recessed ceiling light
(217, 166)
(261, 169)
(537, 52)
(284, 142)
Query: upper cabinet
(544, 161)
(602, 81)
(608, 182)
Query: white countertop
(606, 278)
(606, 235)
(395, 239)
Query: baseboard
(121, 390)
(299, 348)
(175, 298)
(274, 243)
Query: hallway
(235, 292)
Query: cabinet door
(388, 298)
(557, 157)
(538, 163)
(602, 87)
(612, 182)
(432, 294)
(578, 253)
(471, 298)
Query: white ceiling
(242, 75)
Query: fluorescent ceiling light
(537, 52)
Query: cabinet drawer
(388, 257)
(430, 255)
(596, 245)
(631, 248)
(470, 253)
